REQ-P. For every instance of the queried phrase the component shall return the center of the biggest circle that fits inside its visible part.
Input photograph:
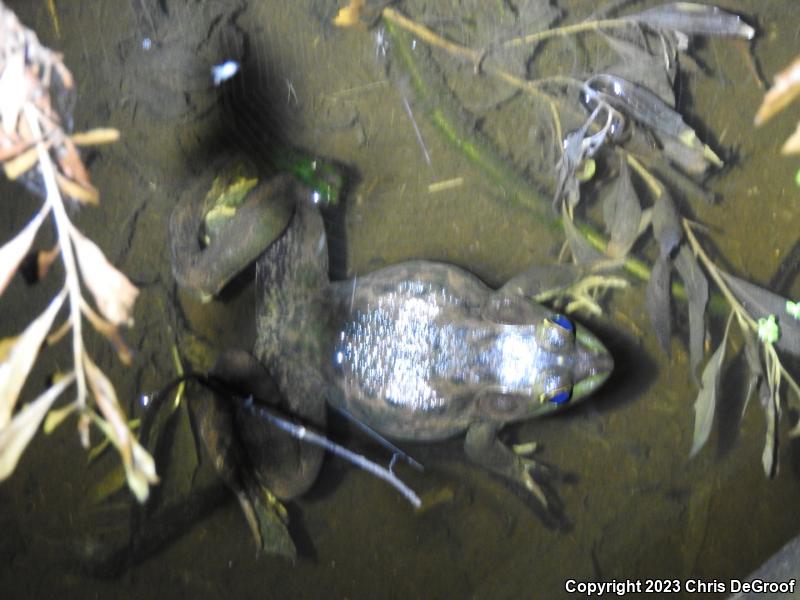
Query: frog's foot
(268, 520)
(514, 464)
(583, 294)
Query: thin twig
(534, 38)
(306, 435)
(70, 268)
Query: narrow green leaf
(706, 402)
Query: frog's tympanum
(418, 351)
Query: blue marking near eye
(561, 396)
(563, 322)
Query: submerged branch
(306, 435)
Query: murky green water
(639, 508)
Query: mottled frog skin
(418, 351)
(423, 350)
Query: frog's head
(544, 367)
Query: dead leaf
(792, 145)
(140, 470)
(86, 194)
(106, 398)
(14, 250)
(114, 294)
(95, 137)
(21, 163)
(15, 435)
(785, 89)
(349, 15)
(45, 260)
(110, 332)
(57, 416)
(14, 370)
(71, 165)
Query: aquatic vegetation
(37, 93)
(634, 146)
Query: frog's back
(402, 339)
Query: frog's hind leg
(484, 447)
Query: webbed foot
(569, 287)
(513, 464)
(267, 519)
(582, 295)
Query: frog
(419, 351)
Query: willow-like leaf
(706, 402)
(696, 284)
(769, 456)
(140, 472)
(112, 290)
(759, 303)
(785, 89)
(642, 62)
(657, 301)
(582, 251)
(666, 225)
(756, 381)
(14, 370)
(642, 105)
(692, 18)
(622, 213)
(14, 250)
(15, 435)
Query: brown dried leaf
(14, 250)
(14, 370)
(140, 471)
(792, 145)
(110, 332)
(86, 194)
(139, 468)
(785, 89)
(71, 165)
(45, 260)
(95, 137)
(114, 294)
(57, 416)
(15, 436)
(21, 163)
(106, 398)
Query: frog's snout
(593, 363)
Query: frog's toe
(275, 505)
(529, 483)
(526, 449)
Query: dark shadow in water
(634, 370)
(108, 559)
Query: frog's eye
(562, 322)
(560, 395)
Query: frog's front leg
(570, 287)
(485, 448)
